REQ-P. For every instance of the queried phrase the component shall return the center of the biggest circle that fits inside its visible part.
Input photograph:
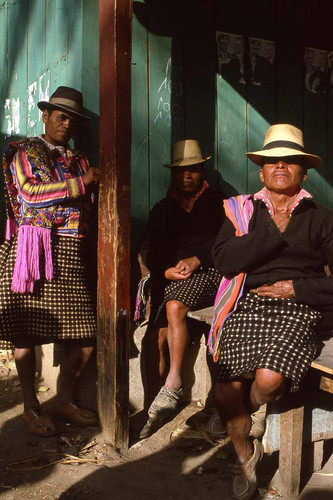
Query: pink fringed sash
(32, 240)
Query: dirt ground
(180, 461)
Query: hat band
(65, 102)
(284, 144)
(198, 158)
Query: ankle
(174, 383)
(246, 454)
(30, 403)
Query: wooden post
(290, 457)
(113, 291)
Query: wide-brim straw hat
(67, 99)
(284, 140)
(186, 152)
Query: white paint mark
(16, 115)
(12, 115)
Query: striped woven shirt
(73, 214)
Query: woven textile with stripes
(239, 210)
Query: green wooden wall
(44, 44)
(178, 91)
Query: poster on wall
(259, 59)
(316, 68)
(262, 59)
(230, 54)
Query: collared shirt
(67, 191)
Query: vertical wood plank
(3, 91)
(231, 107)
(160, 102)
(289, 67)
(261, 89)
(15, 105)
(35, 64)
(316, 128)
(89, 137)
(290, 456)
(199, 78)
(113, 304)
(140, 126)
(76, 53)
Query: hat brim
(187, 162)
(49, 105)
(311, 161)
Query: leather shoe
(73, 413)
(38, 422)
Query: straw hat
(185, 153)
(284, 140)
(65, 98)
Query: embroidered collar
(65, 151)
(173, 193)
(264, 196)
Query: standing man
(45, 294)
(177, 251)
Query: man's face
(188, 179)
(60, 126)
(283, 175)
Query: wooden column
(113, 300)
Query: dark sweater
(173, 234)
(299, 254)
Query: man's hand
(173, 273)
(91, 176)
(188, 265)
(279, 290)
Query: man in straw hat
(45, 294)
(177, 251)
(272, 250)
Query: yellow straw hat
(284, 140)
(185, 153)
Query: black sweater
(173, 234)
(299, 254)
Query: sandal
(161, 409)
(38, 422)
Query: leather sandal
(245, 483)
(38, 422)
(75, 414)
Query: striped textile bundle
(141, 298)
(239, 210)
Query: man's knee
(269, 385)
(176, 310)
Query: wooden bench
(298, 418)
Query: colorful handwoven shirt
(66, 191)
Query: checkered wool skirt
(61, 309)
(264, 332)
(196, 292)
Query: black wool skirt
(264, 332)
(61, 309)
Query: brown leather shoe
(73, 413)
(38, 422)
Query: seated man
(177, 251)
(277, 257)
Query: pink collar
(264, 196)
